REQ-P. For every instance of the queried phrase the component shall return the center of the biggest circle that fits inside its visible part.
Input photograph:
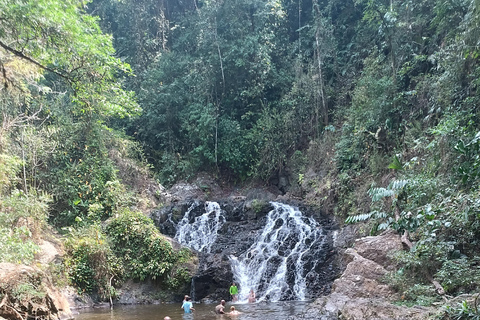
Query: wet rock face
(244, 219)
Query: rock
(359, 293)
(41, 299)
(361, 278)
(48, 253)
(379, 248)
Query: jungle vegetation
(368, 107)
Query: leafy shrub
(413, 291)
(22, 218)
(460, 275)
(144, 252)
(171, 168)
(90, 261)
(464, 311)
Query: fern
(365, 216)
(398, 184)
(377, 194)
(393, 189)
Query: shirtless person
(220, 309)
(233, 311)
(251, 297)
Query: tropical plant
(145, 253)
(90, 262)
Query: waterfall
(200, 232)
(278, 262)
(284, 260)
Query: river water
(253, 311)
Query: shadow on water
(254, 311)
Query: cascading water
(200, 232)
(279, 261)
(281, 256)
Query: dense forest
(368, 108)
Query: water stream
(200, 233)
(277, 264)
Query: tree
(59, 38)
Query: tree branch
(23, 56)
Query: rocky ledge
(36, 296)
(360, 294)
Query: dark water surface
(257, 311)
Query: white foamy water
(201, 233)
(275, 265)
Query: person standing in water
(251, 297)
(187, 305)
(234, 292)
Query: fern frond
(379, 193)
(360, 217)
(398, 184)
(380, 214)
(383, 226)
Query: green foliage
(396, 164)
(469, 164)
(90, 261)
(9, 168)
(412, 292)
(144, 252)
(84, 182)
(464, 311)
(460, 274)
(17, 246)
(349, 149)
(387, 219)
(129, 247)
(22, 219)
(259, 205)
(59, 37)
(28, 291)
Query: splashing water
(200, 233)
(276, 266)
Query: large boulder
(360, 293)
(27, 292)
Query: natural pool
(262, 310)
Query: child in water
(233, 311)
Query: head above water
(232, 308)
(222, 302)
(167, 318)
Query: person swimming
(233, 311)
(220, 308)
